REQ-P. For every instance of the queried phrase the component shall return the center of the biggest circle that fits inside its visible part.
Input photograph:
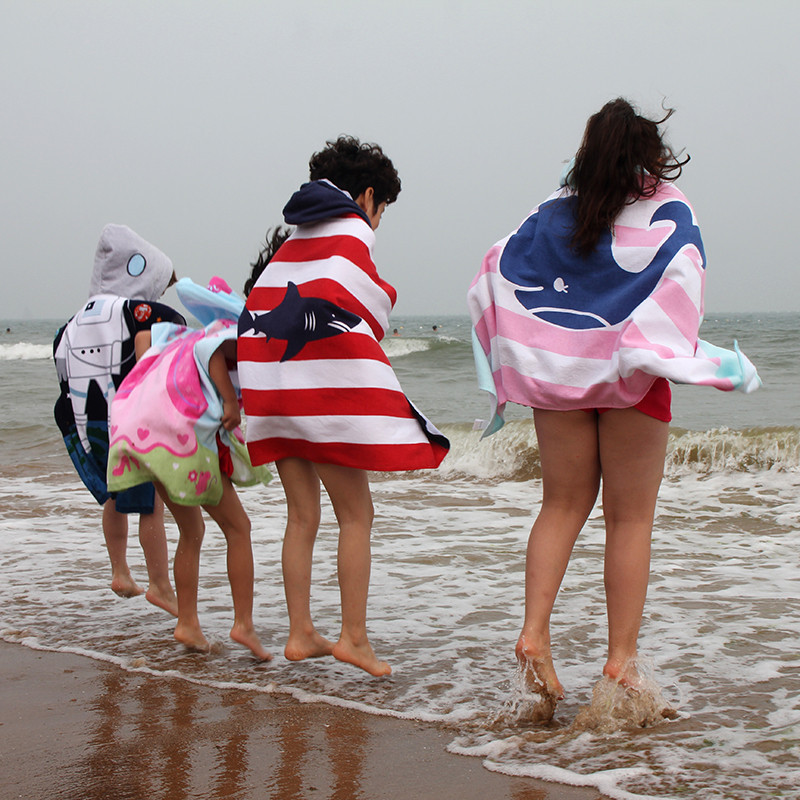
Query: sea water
(720, 634)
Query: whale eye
(136, 265)
(560, 286)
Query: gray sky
(193, 122)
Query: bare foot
(623, 672)
(191, 637)
(304, 645)
(538, 675)
(125, 586)
(540, 670)
(361, 656)
(163, 599)
(248, 637)
(627, 675)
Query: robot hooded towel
(94, 351)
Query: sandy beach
(76, 728)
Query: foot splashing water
(529, 702)
(625, 703)
(522, 738)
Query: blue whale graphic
(572, 292)
(299, 320)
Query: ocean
(721, 626)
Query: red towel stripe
(315, 402)
(377, 457)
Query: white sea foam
(513, 453)
(605, 781)
(721, 622)
(510, 453)
(397, 346)
(24, 351)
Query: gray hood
(128, 266)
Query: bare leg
(352, 501)
(115, 531)
(632, 450)
(301, 485)
(153, 539)
(570, 481)
(235, 524)
(187, 572)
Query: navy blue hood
(319, 200)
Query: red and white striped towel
(316, 383)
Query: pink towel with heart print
(165, 421)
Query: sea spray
(616, 706)
(528, 702)
(25, 351)
(513, 453)
(510, 454)
(399, 347)
(722, 449)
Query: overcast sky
(193, 122)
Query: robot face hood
(128, 266)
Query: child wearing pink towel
(175, 421)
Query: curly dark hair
(622, 158)
(354, 167)
(274, 239)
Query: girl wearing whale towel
(320, 396)
(583, 313)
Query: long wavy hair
(622, 158)
(274, 239)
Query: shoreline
(72, 727)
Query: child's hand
(231, 416)
(218, 372)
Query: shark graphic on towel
(299, 320)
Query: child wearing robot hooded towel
(93, 353)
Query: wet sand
(73, 728)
